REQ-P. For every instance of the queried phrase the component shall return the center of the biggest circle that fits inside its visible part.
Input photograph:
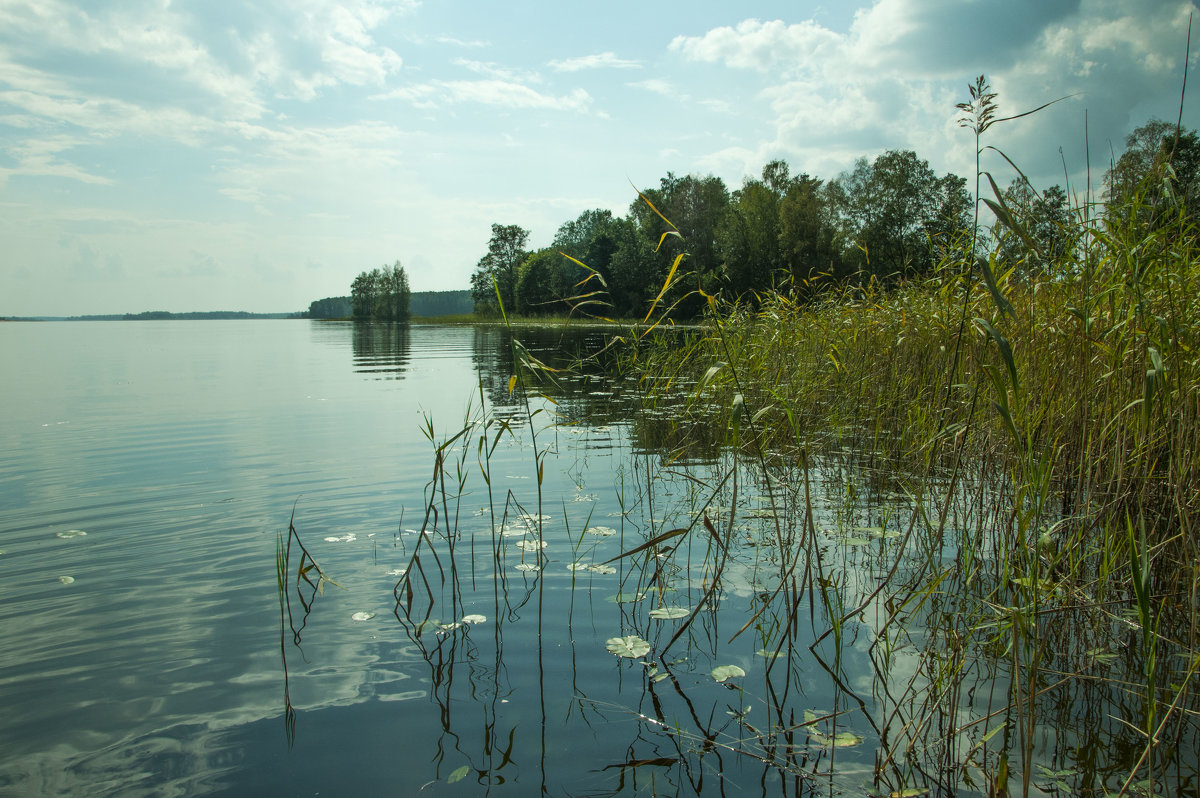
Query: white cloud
(656, 86)
(764, 46)
(500, 93)
(498, 71)
(891, 79)
(606, 60)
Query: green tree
(1045, 218)
(381, 294)
(1157, 175)
(695, 206)
(808, 236)
(748, 240)
(534, 296)
(890, 210)
(506, 252)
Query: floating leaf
(66, 580)
(628, 598)
(397, 572)
(449, 627)
(470, 619)
(362, 616)
(602, 569)
(601, 531)
(769, 653)
(724, 672)
(843, 739)
(630, 646)
(71, 533)
(877, 532)
(459, 773)
(531, 545)
(527, 566)
(577, 566)
(349, 537)
(669, 613)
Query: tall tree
(506, 252)
(1045, 219)
(808, 236)
(381, 294)
(695, 206)
(748, 239)
(889, 208)
(1159, 173)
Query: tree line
(421, 303)
(886, 220)
(381, 294)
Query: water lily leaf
(628, 598)
(470, 619)
(769, 653)
(602, 569)
(877, 532)
(577, 566)
(725, 672)
(459, 773)
(71, 533)
(843, 739)
(669, 613)
(66, 580)
(630, 646)
(527, 566)
(362, 616)
(531, 545)
(601, 531)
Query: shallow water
(152, 654)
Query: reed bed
(1045, 425)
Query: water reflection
(381, 348)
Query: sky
(212, 155)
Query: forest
(886, 221)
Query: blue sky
(205, 155)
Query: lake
(302, 558)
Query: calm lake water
(470, 626)
(144, 656)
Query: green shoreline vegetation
(1034, 390)
(1027, 397)
(1051, 376)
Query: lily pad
(725, 672)
(577, 566)
(71, 533)
(669, 613)
(628, 598)
(602, 569)
(531, 545)
(630, 646)
(470, 619)
(877, 532)
(362, 616)
(843, 739)
(769, 653)
(349, 537)
(66, 580)
(458, 775)
(601, 531)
